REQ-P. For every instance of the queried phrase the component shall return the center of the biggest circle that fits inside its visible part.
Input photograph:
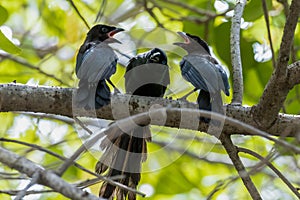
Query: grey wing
(224, 84)
(200, 72)
(98, 63)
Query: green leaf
(3, 14)
(253, 10)
(7, 45)
(222, 42)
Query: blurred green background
(42, 38)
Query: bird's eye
(154, 58)
(104, 30)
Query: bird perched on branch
(204, 73)
(147, 74)
(95, 64)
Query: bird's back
(144, 78)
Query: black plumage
(204, 73)
(95, 63)
(147, 74)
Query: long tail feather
(210, 103)
(123, 155)
(204, 102)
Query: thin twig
(90, 182)
(83, 125)
(184, 151)
(191, 8)
(110, 180)
(151, 13)
(266, 14)
(221, 184)
(275, 170)
(143, 118)
(87, 145)
(31, 66)
(46, 177)
(101, 11)
(79, 14)
(34, 180)
(15, 192)
(233, 154)
(237, 71)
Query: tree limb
(293, 75)
(46, 177)
(55, 100)
(274, 95)
(244, 175)
(237, 71)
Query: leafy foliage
(46, 35)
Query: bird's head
(101, 32)
(157, 55)
(192, 43)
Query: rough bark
(54, 100)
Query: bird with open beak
(95, 64)
(204, 73)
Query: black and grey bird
(95, 64)
(147, 74)
(204, 73)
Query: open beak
(115, 31)
(185, 37)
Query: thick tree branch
(45, 177)
(266, 111)
(293, 75)
(54, 100)
(237, 71)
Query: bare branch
(237, 71)
(87, 145)
(22, 193)
(71, 161)
(233, 154)
(46, 177)
(275, 170)
(293, 75)
(266, 14)
(79, 14)
(151, 13)
(31, 66)
(194, 9)
(15, 192)
(184, 151)
(265, 113)
(37, 147)
(54, 100)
